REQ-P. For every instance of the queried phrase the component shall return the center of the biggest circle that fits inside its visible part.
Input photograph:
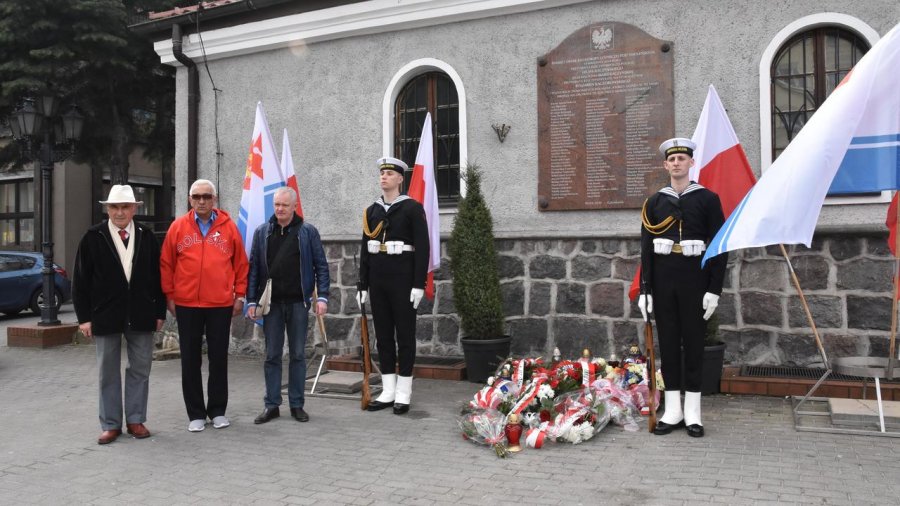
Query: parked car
(21, 281)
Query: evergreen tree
(83, 52)
(473, 261)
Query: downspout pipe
(193, 100)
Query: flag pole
(812, 325)
(809, 316)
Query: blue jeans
(293, 318)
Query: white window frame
(402, 78)
(803, 24)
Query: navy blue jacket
(313, 263)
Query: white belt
(676, 248)
(382, 248)
(388, 247)
(692, 247)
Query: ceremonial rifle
(366, 356)
(651, 370)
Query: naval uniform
(390, 278)
(677, 282)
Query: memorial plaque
(605, 103)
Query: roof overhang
(360, 18)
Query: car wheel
(37, 298)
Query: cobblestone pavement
(751, 454)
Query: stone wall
(573, 294)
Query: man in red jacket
(203, 268)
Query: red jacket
(203, 272)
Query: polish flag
(891, 222)
(720, 163)
(287, 170)
(422, 189)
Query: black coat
(697, 215)
(403, 221)
(101, 293)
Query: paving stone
(751, 454)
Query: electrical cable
(216, 92)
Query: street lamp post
(48, 138)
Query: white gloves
(415, 296)
(662, 246)
(691, 248)
(710, 303)
(645, 303)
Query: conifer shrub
(473, 263)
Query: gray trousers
(137, 377)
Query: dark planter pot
(483, 356)
(713, 361)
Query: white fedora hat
(121, 194)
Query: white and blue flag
(857, 129)
(262, 177)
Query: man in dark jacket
(116, 291)
(290, 252)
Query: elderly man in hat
(393, 268)
(677, 223)
(117, 292)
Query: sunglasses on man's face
(203, 196)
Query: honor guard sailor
(392, 273)
(677, 223)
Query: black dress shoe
(400, 409)
(378, 406)
(299, 414)
(663, 428)
(267, 415)
(695, 430)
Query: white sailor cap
(677, 145)
(391, 163)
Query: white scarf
(126, 255)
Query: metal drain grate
(780, 371)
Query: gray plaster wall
(564, 274)
(329, 96)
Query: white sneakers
(219, 422)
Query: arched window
(432, 92)
(805, 70)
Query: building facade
(348, 80)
